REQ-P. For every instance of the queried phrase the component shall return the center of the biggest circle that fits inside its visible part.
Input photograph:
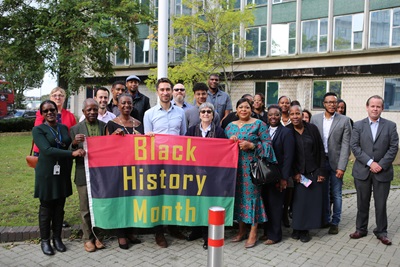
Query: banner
(143, 181)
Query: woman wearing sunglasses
(206, 128)
(52, 175)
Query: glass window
(392, 94)
(256, 2)
(270, 90)
(380, 28)
(122, 57)
(396, 27)
(258, 38)
(314, 36)
(181, 9)
(283, 40)
(141, 56)
(320, 88)
(348, 32)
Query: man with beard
(220, 99)
(101, 95)
(140, 102)
(179, 94)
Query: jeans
(332, 194)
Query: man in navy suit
(374, 143)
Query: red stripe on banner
(215, 243)
(216, 217)
(130, 150)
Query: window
(281, 1)
(314, 36)
(234, 47)
(385, 28)
(142, 51)
(180, 51)
(122, 57)
(321, 88)
(270, 90)
(283, 41)
(181, 9)
(258, 38)
(392, 94)
(348, 32)
(256, 2)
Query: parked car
(22, 113)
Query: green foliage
(16, 125)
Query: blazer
(383, 150)
(80, 128)
(338, 139)
(284, 147)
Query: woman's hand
(119, 131)
(320, 179)
(282, 185)
(150, 134)
(234, 138)
(246, 145)
(297, 177)
(79, 153)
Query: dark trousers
(381, 192)
(273, 202)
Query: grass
(17, 205)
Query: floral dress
(249, 207)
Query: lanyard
(57, 136)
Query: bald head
(179, 94)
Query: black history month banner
(143, 181)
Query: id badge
(56, 169)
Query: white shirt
(326, 127)
(272, 131)
(105, 118)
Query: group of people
(312, 157)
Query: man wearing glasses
(179, 94)
(335, 130)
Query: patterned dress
(249, 207)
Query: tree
(208, 39)
(75, 37)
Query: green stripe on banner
(150, 211)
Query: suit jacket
(80, 128)
(338, 139)
(285, 149)
(383, 150)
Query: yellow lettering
(155, 214)
(200, 183)
(141, 179)
(188, 210)
(152, 148)
(163, 151)
(187, 177)
(175, 150)
(140, 214)
(129, 177)
(140, 148)
(178, 209)
(152, 184)
(190, 151)
(173, 177)
(162, 179)
(164, 215)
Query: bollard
(216, 224)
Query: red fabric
(67, 118)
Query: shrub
(16, 125)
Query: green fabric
(93, 129)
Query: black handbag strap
(31, 148)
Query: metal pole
(216, 226)
(162, 62)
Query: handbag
(264, 172)
(32, 160)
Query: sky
(49, 82)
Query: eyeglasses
(57, 96)
(49, 110)
(206, 111)
(179, 89)
(330, 102)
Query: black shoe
(195, 234)
(58, 244)
(296, 234)
(123, 246)
(46, 247)
(333, 230)
(65, 224)
(205, 245)
(305, 236)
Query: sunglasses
(179, 89)
(57, 96)
(49, 110)
(206, 111)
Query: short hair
(295, 102)
(200, 87)
(118, 82)
(213, 74)
(101, 89)
(164, 80)
(275, 106)
(47, 102)
(124, 95)
(301, 110)
(279, 99)
(376, 97)
(329, 94)
(88, 101)
(207, 105)
(56, 89)
(246, 95)
(242, 100)
(308, 112)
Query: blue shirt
(185, 105)
(171, 121)
(221, 102)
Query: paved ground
(322, 250)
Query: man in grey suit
(335, 130)
(91, 126)
(374, 143)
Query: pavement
(322, 250)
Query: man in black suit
(374, 143)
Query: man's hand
(339, 174)
(374, 167)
